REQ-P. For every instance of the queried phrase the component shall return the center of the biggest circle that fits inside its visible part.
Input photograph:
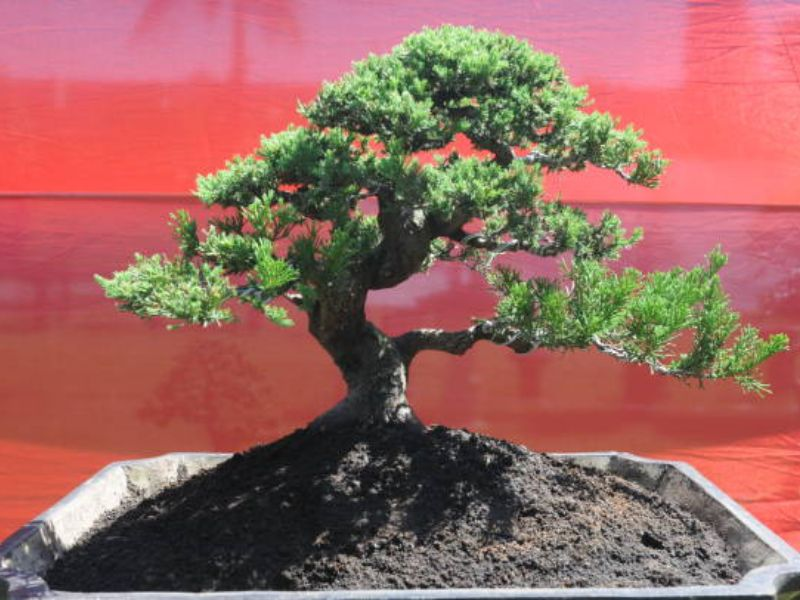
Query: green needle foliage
(291, 223)
(641, 318)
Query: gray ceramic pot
(772, 566)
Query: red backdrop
(107, 111)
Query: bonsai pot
(771, 567)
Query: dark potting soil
(396, 509)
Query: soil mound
(396, 509)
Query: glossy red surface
(102, 99)
(83, 384)
(140, 96)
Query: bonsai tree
(447, 138)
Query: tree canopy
(449, 135)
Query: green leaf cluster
(494, 89)
(440, 82)
(295, 219)
(154, 286)
(679, 322)
(324, 263)
(479, 188)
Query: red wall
(140, 96)
(115, 104)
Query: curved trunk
(373, 367)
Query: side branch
(482, 242)
(553, 163)
(656, 367)
(295, 298)
(549, 244)
(458, 342)
(253, 295)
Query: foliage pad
(291, 221)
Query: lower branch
(458, 342)
(452, 342)
(655, 367)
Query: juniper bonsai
(292, 223)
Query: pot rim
(40, 534)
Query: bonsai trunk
(373, 367)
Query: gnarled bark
(371, 364)
(458, 342)
(407, 235)
(375, 367)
